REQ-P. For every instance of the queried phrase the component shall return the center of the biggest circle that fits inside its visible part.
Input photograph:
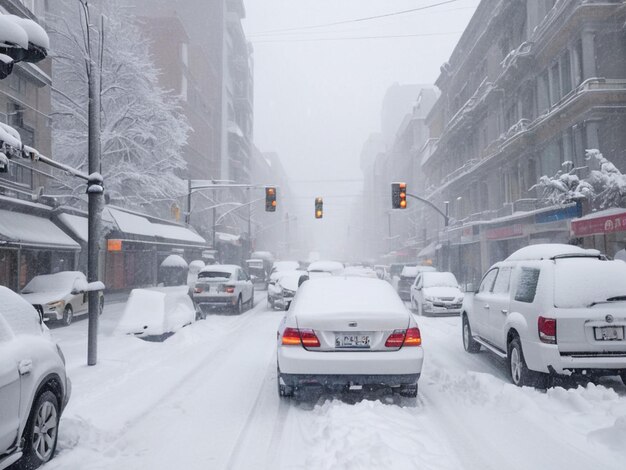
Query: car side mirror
(288, 304)
(75, 291)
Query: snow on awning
(428, 251)
(22, 39)
(10, 136)
(227, 237)
(233, 128)
(77, 225)
(135, 224)
(29, 230)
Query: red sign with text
(599, 225)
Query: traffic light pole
(445, 215)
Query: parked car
(274, 289)
(60, 296)
(173, 271)
(342, 332)
(192, 274)
(382, 272)
(284, 266)
(34, 387)
(436, 293)
(256, 270)
(407, 278)
(551, 309)
(223, 287)
(360, 271)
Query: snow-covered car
(34, 387)
(285, 266)
(256, 271)
(192, 274)
(436, 293)
(60, 296)
(274, 289)
(407, 279)
(223, 287)
(319, 269)
(286, 288)
(156, 315)
(346, 331)
(551, 309)
(382, 272)
(360, 271)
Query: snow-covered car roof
(413, 271)
(338, 294)
(290, 279)
(285, 265)
(360, 271)
(220, 268)
(548, 251)
(53, 282)
(326, 266)
(20, 316)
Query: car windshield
(439, 280)
(50, 283)
(314, 234)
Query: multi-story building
(530, 86)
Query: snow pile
(154, 313)
(174, 261)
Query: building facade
(530, 86)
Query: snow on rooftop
(29, 229)
(549, 250)
(76, 224)
(139, 225)
(603, 213)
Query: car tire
(252, 301)
(521, 375)
(101, 306)
(239, 306)
(469, 344)
(284, 391)
(37, 449)
(68, 315)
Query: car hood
(42, 298)
(440, 292)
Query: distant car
(285, 266)
(274, 289)
(407, 278)
(325, 268)
(223, 287)
(342, 332)
(382, 272)
(192, 274)
(256, 271)
(395, 271)
(436, 293)
(286, 288)
(34, 387)
(548, 310)
(360, 271)
(60, 296)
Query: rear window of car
(579, 282)
(527, 285)
(214, 275)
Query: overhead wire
(354, 38)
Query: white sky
(317, 101)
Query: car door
(248, 285)
(482, 304)
(9, 390)
(499, 307)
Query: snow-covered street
(206, 399)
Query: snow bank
(174, 261)
(20, 315)
(153, 313)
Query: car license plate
(609, 333)
(352, 341)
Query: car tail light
(395, 339)
(304, 337)
(198, 290)
(547, 330)
(227, 289)
(413, 337)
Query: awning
(227, 237)
(76, 224)
(135, 224)
(18, 229)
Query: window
(487, 282)
(501, 286)
(566, 74)
(527, 285)
(555, 84)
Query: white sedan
(347, 332)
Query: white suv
(551, 309)
(34, 388)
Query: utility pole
(95, 192)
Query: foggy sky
(317, 101)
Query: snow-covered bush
(604, 186)
(143, 131)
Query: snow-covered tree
(143, 130)
(604, 185)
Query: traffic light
(319, 208)
(270, 199)
(398, 195)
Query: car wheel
(101, 306)
(68, 315)
(40, 435)
(239, 306)
(521, 375)
(469, 344)
(252, 300)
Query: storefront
(30, 244)
(603, 230)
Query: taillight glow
(198, 290)
(304, 337)
(413, 337)
(547, 330)
(395, 339)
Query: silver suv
(548, 310)
(34, 387)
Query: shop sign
(114, 245)
(510, 231)
(599, 225)
(555, 215)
